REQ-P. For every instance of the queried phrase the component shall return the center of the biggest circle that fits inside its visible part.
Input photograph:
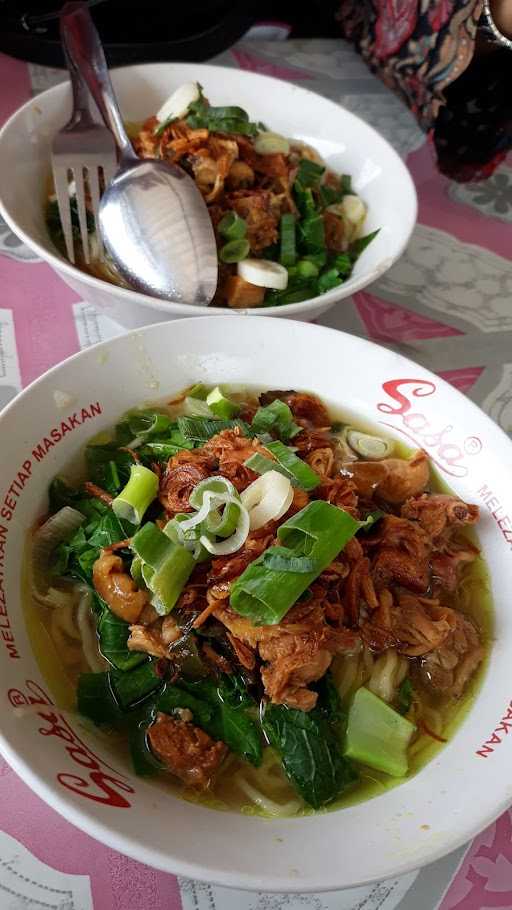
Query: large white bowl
(347, 144)
(458, 793)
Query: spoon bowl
(153, 220)
(156, 228)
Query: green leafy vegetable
(219, 708)
(358, 246)
(113, 635)
(99, 460)
(132, 688)
(377, 735)
(199, 429)
(95, 699)
(288, 253)
(405, 695)
(309, 747)
(309, 173)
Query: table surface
(446, 304)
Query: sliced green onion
(319, 531)
(309, 173)
(195, 407)
(198, 391)
(216, 484)
(188, 539)
(200, 430)
(140, 491)
(232, 227)
(268, 143)
(220, 405)
(234, 251)
(136, 572)
(343, 264)
(288, 253)
(304, 199)
(312, 233)
(373, 447)
(268, 498)
(276, 418)
(329, 280)
(307, 269)
(225, 524)
(235, 541)
(282, 560)
(262, 465)
(169, 564)
(318, 259)
(300, 472)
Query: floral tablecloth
(446, 304)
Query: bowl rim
(62, 265)
(156, 857)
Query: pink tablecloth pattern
(447, 304)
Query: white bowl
(454, 796)
(347, 144)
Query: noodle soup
(275, 610)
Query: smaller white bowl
(347, 144)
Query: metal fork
(85, 150)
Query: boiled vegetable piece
(138, 494)
(377, 735)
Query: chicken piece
(146, 143)
(299, 501)
(240, 294)
(297, 651)
(308, 440)
(182, 473)
(186, 750)
(255, 208)
(117, 588)
(449, 667)
(272, 165)
(334, 228)
(231, 448)
(156, 638)
(321, 461)
(392, 479)
(437, 511)
(245, 655)
(447, 566)
(402, 556)
(340, 491)
(215, 660)
(420, 624)
(377, 638)
(226, 568)
(241, 176)
(205, 171)
(308, 409)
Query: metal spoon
(153, 220)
